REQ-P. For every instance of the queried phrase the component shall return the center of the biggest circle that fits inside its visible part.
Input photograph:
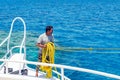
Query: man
(42, 40)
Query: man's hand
(41, 45)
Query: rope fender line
(79, 49)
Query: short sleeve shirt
(43, 39)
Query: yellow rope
(79, 49)
(48, 57)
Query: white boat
(14, 65)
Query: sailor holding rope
(42, 40)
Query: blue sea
(77, 24)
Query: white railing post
(62, 73)
(6, 67)
(20, 69)
(8, 46)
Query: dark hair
(48, 28)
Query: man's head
(49, 30)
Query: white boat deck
(21, 77)
(15, 66)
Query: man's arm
(40, 45)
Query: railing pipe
(3, 41)
(68, 67)
(62, 72)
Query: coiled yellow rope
(48, 57)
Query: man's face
(50, 32)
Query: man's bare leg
(36, 72)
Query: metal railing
(22, 45)
(7, 40)
(62, 67)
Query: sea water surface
(77, 23)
